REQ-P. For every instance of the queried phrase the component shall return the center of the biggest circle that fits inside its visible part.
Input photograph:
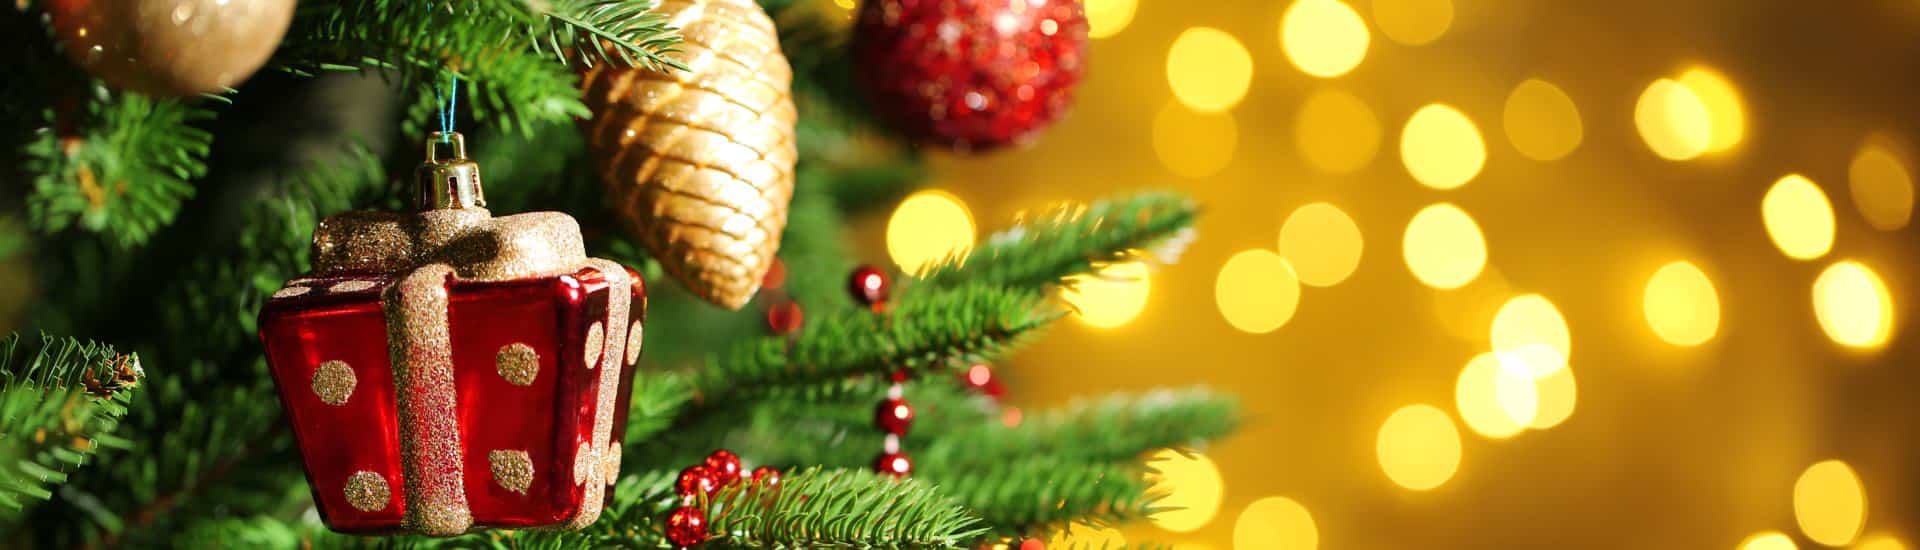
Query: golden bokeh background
(1415, 209)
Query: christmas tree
(172, 162)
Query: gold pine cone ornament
(699, 163)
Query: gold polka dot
(596, 345)
(610, 464)
(517, 363)
(351, 286)
(292, 291)
(636, 335)
(583, 463)
(367, 491)
(513, 470)
(333, 382)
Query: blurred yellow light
(1081, 535)
(928, 227)
(1275, 523)
(1418, 447)
(1729, 118)
(1541, 121)
(1880, 542)
(1194, 144)
(1882, 188)
(1829, 503)
(1321, 243)
(1529, 328)
(1110, 296)
(1107, 17)
(1681, 305)
(1209, 69)
(1413, 22)
(1798, 217)
(1256, 291)
(1466, 312)
(1443, 247)
(1557, 395)
(1192, 486)
(1769, 540)
(1323, 38)
(1494, 401)
(1673, 120)
(1441, 147)
(1853, 306)
(1336, 132)
(845, 4)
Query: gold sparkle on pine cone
(700, 162)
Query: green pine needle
(1111, 429)
(1071, 240)
(126, 172)
(60, 401)
(819, 508)
(1032, 493)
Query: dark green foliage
(840, 509)
(1072, 239)
(1020, 496)
(60, 400)
(1114, 428)
(124, 170)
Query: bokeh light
(1798, 217)
(1257, 291)
(1336, 132)
(1880, 541)
(1441, 147)
(1768, 540)
(928, 227)
(1209, 69)
(1418, 447)
(1829, 503)
(1323, 38)
(1541, 121)
(1192, 486)
(1673, 120)
(1443, 246)
(1727, 117)
(1194, 144)
(1530, 331)
(1494, 401)
(1111, 296)
(1275, 523)
(1882, 187)
(1681, 305)
(1556, 394)
(1321, 243)
(1853, 305)
(1413, 22)
(1107, 17)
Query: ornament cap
(447, 183)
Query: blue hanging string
(449, 103)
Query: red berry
(724, 467)
(894, 416)
(687, 526)
(893, 464)
(776, 276)
(785, 317)
(869, 286)
(696, 480)
(767, 476)
(1032, 544)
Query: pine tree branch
(819, 508)
(59, 405)
(1071, 240)
(1023, 496)
(123, 174)
(615, 31)
(1112, 429)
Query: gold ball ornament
(170, 48)
(699, 163)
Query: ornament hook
(454, 182)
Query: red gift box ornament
(500, 394)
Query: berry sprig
(687, 525)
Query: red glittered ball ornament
(970, 74)
(724, 466)
(687, 526)
(696, 480)
(893, 464)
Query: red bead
(980, 378)
(869, 286)
(767, 476)
(696, 480)
(893, 464)
(785, 317)
(970, 75)
(1033, 544)
(687, 526)
(724, 467)
(776, 276)
(894, 416)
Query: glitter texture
(333, 382)
(635, 337)
(513, 470)
(478, 246)
(291, 291)
(610, 464)
(594, 348)
(416, 311)
(582, 463)
(518, 363)
(367, 491)
(351, 286)
(619, 306)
